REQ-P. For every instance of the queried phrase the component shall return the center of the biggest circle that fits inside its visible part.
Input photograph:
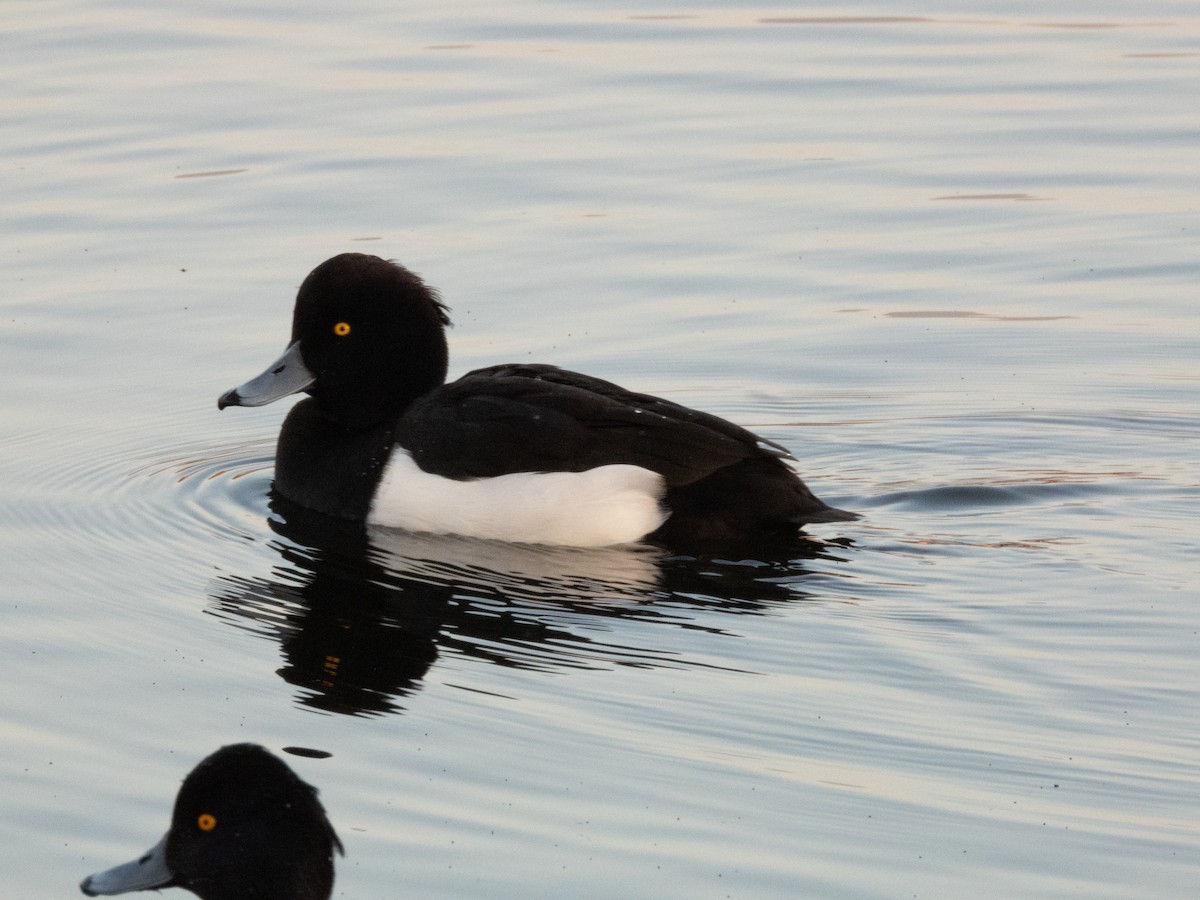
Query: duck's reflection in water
(362, 614)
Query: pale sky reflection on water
(948, 259)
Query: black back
(531, 418)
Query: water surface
(949, 259)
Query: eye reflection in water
(362, 614)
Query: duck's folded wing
(532, 418)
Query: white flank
(597, 508)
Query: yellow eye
(341, 329)
(206, 822)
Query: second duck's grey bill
(287, 375)
(146, 873)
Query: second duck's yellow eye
(206, 822)
(341, 329)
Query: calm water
(950, 259)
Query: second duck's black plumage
(244, 826)
(515, 452)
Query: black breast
(322, 465)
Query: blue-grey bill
(146, 873)
(287, 375)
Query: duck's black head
(244, 826)
(371, 332)
(368, 338)
(244, 819)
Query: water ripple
(222, 490)
(178, 494)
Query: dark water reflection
(361, 614)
